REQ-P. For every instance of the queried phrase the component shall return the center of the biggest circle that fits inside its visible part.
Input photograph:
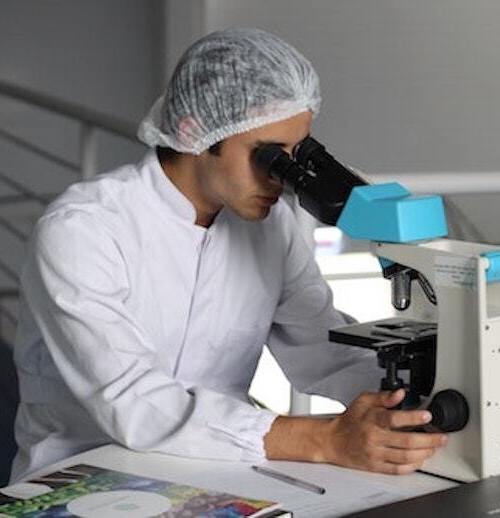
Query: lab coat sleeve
(299, 335)
(75, 282)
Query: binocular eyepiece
(321, 183)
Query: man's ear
(188, 132)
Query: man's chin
(254, 214)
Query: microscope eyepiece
(308, 153)
(272, 158)
(264, 156)
(322, 184)
(277, 163)
(313, 156)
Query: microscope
(444, 346)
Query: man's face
(231, 178)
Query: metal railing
(90, 122)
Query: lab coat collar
(153, 174)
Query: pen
(290, 480)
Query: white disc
(115, 504)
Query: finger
(398, 469)
(384, 399)
(401, 456)
(392, 399)
(414, 440)
(391, 468)
(403, 418)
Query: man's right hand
(369, 435)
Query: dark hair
(167, 154)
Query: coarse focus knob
(450, 411)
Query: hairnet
(226, 83)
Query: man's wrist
(300, 438)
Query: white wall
(106, 55)
(103, 55)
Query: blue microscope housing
(390, 213)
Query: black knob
(450, 411)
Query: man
(150, 291)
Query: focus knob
(450, 411)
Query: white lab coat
(139, 327)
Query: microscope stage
(383, 334)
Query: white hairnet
(226, 83)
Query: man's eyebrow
(270, 141)
(265, 142)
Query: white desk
(346, 490)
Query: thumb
(392, 399)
